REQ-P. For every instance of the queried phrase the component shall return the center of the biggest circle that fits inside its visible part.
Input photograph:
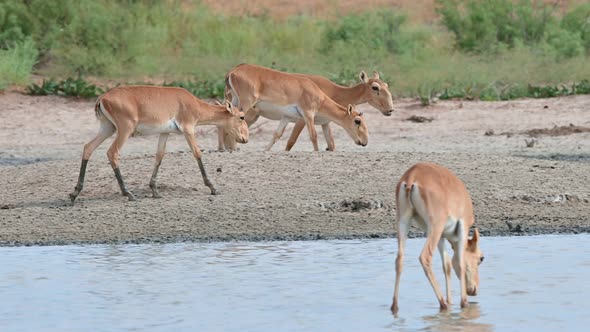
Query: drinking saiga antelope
(438, 202)
(148, 110)
(371, 90)
(285, 97)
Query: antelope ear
(363, 77)
(475, 237)
(375, 75)
(350, 109)
(228, 107)
(375, 86)
(472, 243)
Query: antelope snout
(472, 291)
(388, 113)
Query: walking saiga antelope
(148, 110)
(373, 91)
(285, 97)
(440, 205)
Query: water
(527, 284)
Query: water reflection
(457, 321)
(288, 286)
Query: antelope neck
(213, 115)
(350, 95)
(333, 111)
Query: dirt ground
(292, 195)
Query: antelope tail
(409, 192)
(97, 111)
(405, 193)
(227, 93)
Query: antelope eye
(375, 88)
(241, 118)
(357, 121)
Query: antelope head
(377, 93)
(235, 127)
(473, 258)
(356, 126)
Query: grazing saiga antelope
(440, 205)
(149, 110)
(288, 98)
(373, 91)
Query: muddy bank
(278, 196)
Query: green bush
(577, 21)
(202, 89)
(490, 49)
(581, 88)
(16, 63)
(69, 87)
(494, 25)
(15, 23)
(47, 87)
(373, 34)
(503, 91)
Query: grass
(17, 63)
(193, 47)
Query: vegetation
(205, 88)
(69, 87)
(490, 50)
(16, 63)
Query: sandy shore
(298, 195)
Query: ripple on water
(289, 286)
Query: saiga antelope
(148, 110)
(440, 205)
(287, 98)
(373, 91)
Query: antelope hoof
(463, 303)
(394, 308)
(443, 305)
(155, 193)
(214, 192)
(73, 197)
(75, 194)
(130, 196)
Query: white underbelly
(277, 112)
(449, 230)
(292, 112)
(169, 127)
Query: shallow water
(527, 284)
